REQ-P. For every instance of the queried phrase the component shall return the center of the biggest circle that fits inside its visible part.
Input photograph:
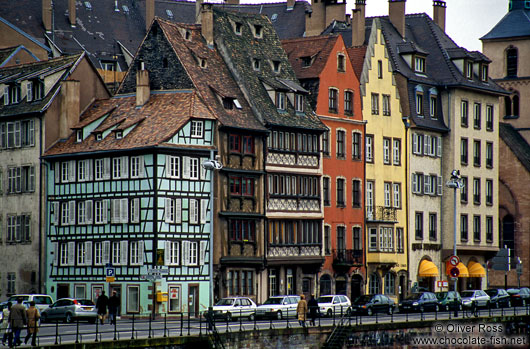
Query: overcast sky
(466, 20)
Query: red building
(323, 66)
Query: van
(42, 301)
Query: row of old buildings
(336, 135)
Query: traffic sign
(110, 274)
(454, 260)
(454, 272)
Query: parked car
(424, 301)
(333, 304)
(42, 301)
(233, 307)
(474, 299)
(373, 303)
(449, 300)
(519, 296)
(70, 309)
(278, 307)
(499, 298)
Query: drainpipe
(406, 123)
(39, 287)
(155, 224)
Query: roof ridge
(448, 62)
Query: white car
(42, 301)
(278, 307)
(233, 307)
(475, 299)
(334, 304)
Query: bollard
(97, 328)
(240, 320)
(132, 328)
(149, 335)
(57, 331)
(333, 315)
(254, 321)
(189, 322)
(376, 319)
(436, 313)
(270, 322)
(165, 325)
(77, 332)
(115, 329)
(287, 318)
(181, 323)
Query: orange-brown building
(324, 68)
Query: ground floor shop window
(174, 298)
(133, 299)
(79, 291)
(96, 292)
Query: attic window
(119, 134)
(228, 102)
(306, 61)
(125, 9)
(419, 64)
(187, 35)
(299, 101)
(99, 136)
(88, 5)
(35, 90)
(12, 94)
(274, 17)
(469, 70)
(341, 66)
(484, 72)
(258, 31)
(203, 62)
(256, 63)
(276, 66)
(169, 13)
(79, 136)
(237, 28)
(280, 100)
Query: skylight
(169, 13)
(125, 9)
(274, 17)
(88, 5)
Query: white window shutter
(168, 166)
(141, 167)
(56, 213)
(6, 95)
(89, 173)
(141, 252)
(440, 185)
(123, 252)
(18, 138)
(185, 252)
(88, 211)
(88, 253)
(114, 210)
(426, 145)
(29, 91)
(71, 171)
(106, 168)
(71, 212)
(136, 211)
(124, 167)
(167, 252)
(202, 254)
(124, 210)
(106, 252)
(105, 211)
(178, 211)
(204, 172)
(414, 143)
(204, 210)
(71, 253)
(55, 253)
(193, 211)
(167, 211)
(439, 147)
(186, 167)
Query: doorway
(193, 296)
(356, 286)
(63, 291)
(117, 288)
(402, 287)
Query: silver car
(278, 307)
(233, 307)
(69, 309)
(474, 299)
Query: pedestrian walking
(301, 310)
(101, 306)
(313, 309)
(33, 318)
(114, 303)
(18, 320)
(5, 328)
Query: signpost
(454, 272)
(110, 274)
(454, 260)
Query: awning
(475, 270)
(464, 273)
(428, 269)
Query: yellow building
(386, 179)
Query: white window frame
(396, 188)
(98, 253)
(369, 149)
(386, 151)
(387, 194)
(197, 128)
(137, 167)
(116, 252)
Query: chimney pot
(358, 23)
(72, 13)
(439, 9)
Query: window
(464, 113)
(379, 69)
(356, 193)
(18, 228)
(419, 104)
(489, 192)
(241, 186)
(374, 285)
(463, 190)
(369, 199)
(397, 195)
(419, 225)
(63, 254)
(432, 106)
(390, 283)
(84, 170)
(386, 105)
(120, 211)
(476, 228)
(98, 253)
(116, 252)
(396, 152)
(341, 144)
(372, 239)
(432, 226)
(387, 194)
(489, 154)
(341, 66)
(100, 211)
(241, 144)
(273, 283)
(356, 146)
(276, 66)
(20, 179)
(469, 70)
(489, 229)
(258, 31)
(27, 133)
(133, 299)
(325, 143)
(477, 116)
(333, 95)
(242, 230)
(484, 72)
(237, 28)
(476, 191)
(489, 118)
(327, 239)
(102, 169)
(399, 240)
(119, 167)
(197, 128)
(417, 143)
(419, 64)
(375, 104)
(326, 190)
(12, 94)
(340, 192)
(348, 102)
(137, 252)
(11, 283)
(341, 242)
(476, 153)
(172, 253)
(369, 139)
(463, 227)
(280, 100)
(511, 62)
(463, 151)
(189, 253)
(84, 212)
(417, 183)
(306, 61)
(81, 253)
(256, 63)
(299, 103)
(386, 151)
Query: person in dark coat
(101, 305)
(114, 303)
(18, 320)
(313, 309)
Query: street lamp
(212, 166)
(455, 182)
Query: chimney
(71, 12)
(149, 13)
(207, 23)
(70, 106)
(232, 2)
(290, 4)
(438, 13)
(358, 23)
(142, 86)
(47, 15)
(198, 10)
(396, 13)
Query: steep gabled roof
(240, 50)
(517, 144)
(357, 55)
(7, 53)
(154, 123)
(515, 24)
(16, 74)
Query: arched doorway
(325, 284)
(341, 285)
(356, 286)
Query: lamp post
(456, 183)
(212, 166)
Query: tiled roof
(516, 23)
(518, 145)
(356, 55)
(43, 68)
(156, 122)
(317, 48)
(240, 50)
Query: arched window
(511, 62)
(508, 105)
(325, 284)
(508, 232)
(390, 283)
(374, 285)
(515, 105)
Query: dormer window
(35, 90)
(79, 136)
(237, 28)
(258, 31)
(203, 62)
(280, 100)
(12, 94)
(228, 103)
(119, 134)
(484, 72)
(187, 35)
(256, 64)
(469, 70)
(276, 66)
(197, 128)
(99, 136)
(419, 64)
(299, 103)
(306, 61)
(341, 65)
(169, 13)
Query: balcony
(381, 214)
(295, 253)
(347, 258)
